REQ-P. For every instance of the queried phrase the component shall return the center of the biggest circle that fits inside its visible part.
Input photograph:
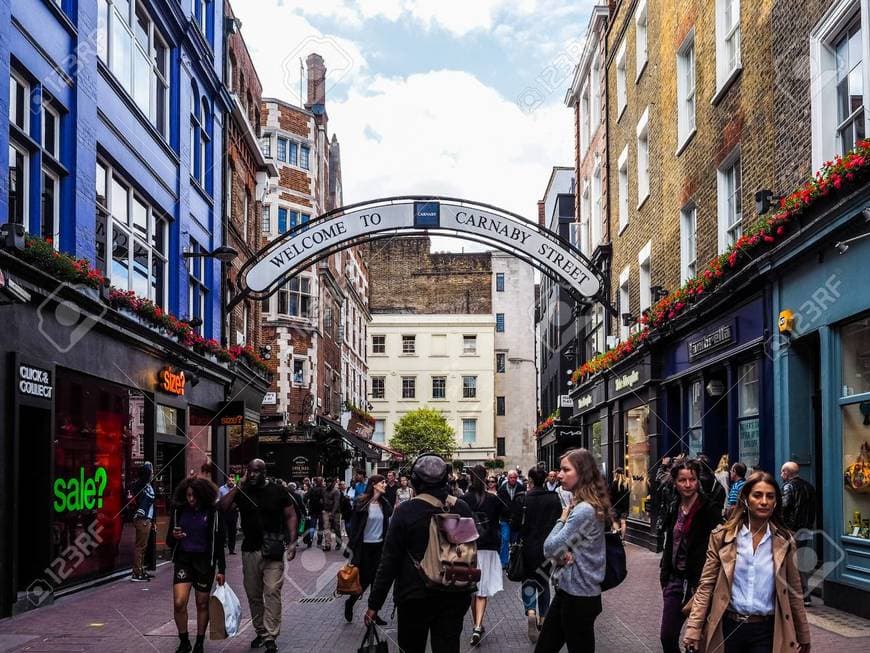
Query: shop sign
(591, 399)
(172, 382)
(270, 399)
(710, 342)
(300, 467)
(35, 382)
(626, 380)
(583, 402)
(629, 380)
(565, 401)
(80, 493)
(232, 414)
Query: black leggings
(747, 637)
(370, 560)
(570, 620)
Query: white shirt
(753, 591)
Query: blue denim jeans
(507, 538)
(536, 596)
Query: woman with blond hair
(723, 476)
(620, 489)
(749, 599)
(577, 543)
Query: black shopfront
(592, 419)
(80, 416)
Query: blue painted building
(821, 365)
(113, 133)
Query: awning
(394, 455)
(368, 449)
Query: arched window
(199, 136)
(204, 121)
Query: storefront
(635, 439)
(715, 389)
(82, 411)
(591, 417)
(821, 363)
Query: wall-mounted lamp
(193, 323)
(224, 254)
(266, 352)
(232, 25)
(843, 245)
(715, 388)
(658, 292)
(570, 372)
(12, 236)
(764, 199)
(627, 319)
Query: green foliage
(423, 430)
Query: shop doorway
(806, 361)
(169, 470)
(34, 535)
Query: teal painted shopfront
(820, 292)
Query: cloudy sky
(450, 97)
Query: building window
(294, 298)
(139, 238)
(838, 95)
(640, 46)
(643, 158)
(201, 15)
(469, 431)
(622, 189)
(499, 406)
(727, 41)
(696, 418)
(585, 119)
(246, 215)
(19, 178)
(282, 149)
(304, 156)
(499, 281)
(499, 322)
(19, 102)
(469, 344)
(621, 84)
(136, 53)
(282, 219)
(595, 93)
(730, 204)
(748, 397)
(688, 242)
(298, 371)
(595, 220)
(379, 434)
(409, 344)
(50, 131)
(439, 387)
(267, 219)
(854, 383)
(585, 210)
(594, 334)
(197, 290)
(686, 90)
(379, 344)
(645, 271)
(500, 446)
(50, 215)
(378, 391)
(409, 387)
(624, 302)
(500, 362)
(469, 387)
(266, 146)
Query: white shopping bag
(225, 612)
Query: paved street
(125, 616)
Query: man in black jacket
(421, 610)
(799, 515)
(507, 494)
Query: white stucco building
(446, 362)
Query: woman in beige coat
(749, 599)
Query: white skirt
(490, 573)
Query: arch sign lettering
(352, 225)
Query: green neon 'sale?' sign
(80, 493)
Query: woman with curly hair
(196, 537)
(577, 544)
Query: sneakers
(476, 636)
(140, 578)
(257, 642)
(533, 626)
(271, 645)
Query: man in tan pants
(143, 521)
(270, 519)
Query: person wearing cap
(424, 613)
(143, 521)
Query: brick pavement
(137, 617)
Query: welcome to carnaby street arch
(355, 224)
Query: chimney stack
(316, 81)
(542, 218)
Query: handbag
(372, 642)
(615, 569)
(516, 569)
(347, 580)
(273, 546)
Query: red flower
(780, 231)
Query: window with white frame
(409, 344)
(267, 219)
(640, 47)
(644, 265)
(469, 344)
(378, 387)
(595, 93)
(196, 287)
(469, 431)
(585, 219)
(727, 41)
(621, 83)
(595, 221)
(838, 89)
(246, 215)
(379, 435)
(50, 130)
(624, 299)
(688, 242)
(49, 228)
(199, 137)
(622, 188)
(643, 158)
(139, 238)
(131, 46)
(294, 297)
(585, 120)
(19, 182)
(266, 146)
(19, 102)
(686, 89)
(299, 365)
(469, 387)
(379, 344)
(409, 387)
(201, 14)
(729, 201)
(439, 387)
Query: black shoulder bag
(516, 569)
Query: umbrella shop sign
(525, 239)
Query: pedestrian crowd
(442, 542)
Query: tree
(423, 430)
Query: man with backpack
(430, 607)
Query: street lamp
(224, 254)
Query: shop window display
(696, 418)
(637, 460)
(97, 454)
(747, 414)
(856, 429)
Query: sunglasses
(491, 481)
